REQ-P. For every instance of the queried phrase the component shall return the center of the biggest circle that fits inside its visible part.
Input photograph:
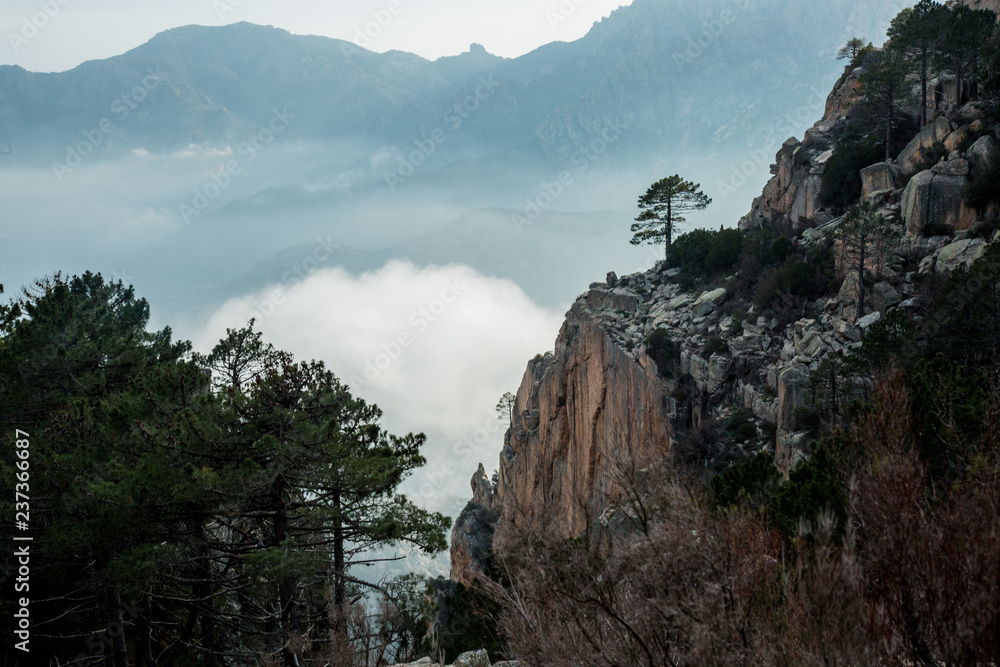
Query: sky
(56, 35)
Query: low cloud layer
(435, 348)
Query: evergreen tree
(663, 207)
(864, 238)
(851, 50)
(177, 525)
(76, 369)
(962, 48)
(883, 87)
(918, 33)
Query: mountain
(212, 85)
(374, 147)
(676, 367)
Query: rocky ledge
(471, 659)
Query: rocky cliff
(599, 405)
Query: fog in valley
(420, 226)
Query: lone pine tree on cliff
(662, 207)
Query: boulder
(936, 200)
(884, 295)
(849, 331)
(617, 300)
(957, 139)
(959, 253)
(985, 149)
(716, 296)
(478, 658)
(869, 320)
(679, 301)
(956, 167)
(925, 149)
(849, 288)
(719, 368)
(878, 178)
(709, 301)
(793, 392)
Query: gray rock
(922, 151)
(679, 302)
(956, 167)
(878, 178)
(847, 330)
(478, 658)
(719, 368)
(885, 295)
(936, 199)
(869, 320)
(985, 149)
(793, 392)
(849, 288)
(956, 139)
(716, 297)
(615, 300)
(959, 253)
(612, 279)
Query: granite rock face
(879, 178)
(934, 199)
(791, 197)
(580, 412)
(472, 534)
(599, 403)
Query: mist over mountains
(213, 165)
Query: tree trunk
(861, 280)
(890, 114)
(960, 77)
(287, 589)
(143, 654)
(339, 570)
(923, 89)
(115, 648)
(204, 592)
(669, 230)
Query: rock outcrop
(599, 405)
(925, 149)
(879, 179)
(596, 402)
(936, 200)
(791, 197)
(472, 534)
(470, 659)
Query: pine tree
(851, 50)
(662, 209)
(864, 236)
(962, 49)
(918, 32)
(883, 88)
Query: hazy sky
(55, 35)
